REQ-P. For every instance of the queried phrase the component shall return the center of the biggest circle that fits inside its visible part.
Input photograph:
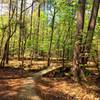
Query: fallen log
(43, 72)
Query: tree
(91, 28)
(51, 37)
(80, 59)
(5, 57)
(77, 49)
(38, 30)
(21, 26)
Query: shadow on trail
(18, 89)
(92, 85)
(46, 90)
(16, 86)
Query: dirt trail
(27, 90)
(35, 87)
(18, 89)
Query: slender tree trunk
(51, 38)
(7, 44)
(20, 33)
(37, 32)
(6, 49)
(91, 27)
(23, 32)
(3, 32)
(77, 48)
(31, 25)
(1, 42)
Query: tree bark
(51, 38)
(37, 32)
(77, 49)
(20, 33)
(91, 27)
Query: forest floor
(15, 86)
(66, 89)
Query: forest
(49, 50)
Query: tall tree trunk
(7, 45)
(31, 28)
(5, 57)
(20, 33)
(91, 27)
(23, 35)
(51, 38)
(3, 31)
(77, 49)
(37, 32)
